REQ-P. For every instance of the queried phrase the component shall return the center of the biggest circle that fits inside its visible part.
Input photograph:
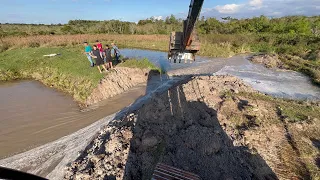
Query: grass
(300, 122)
(299, 53)
(310, 68)
(293, 110)
(142, 64)
(152, 42)
(70, 72)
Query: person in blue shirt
(116, 51)
(87, 51)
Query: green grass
(142, 64)
(69, 72)
(299, 119)
(310, 68)
(293, 110)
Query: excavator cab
(184, 45)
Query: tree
(66, 29)
(316, 27)
(171, 20)
(2, 33)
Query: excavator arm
(194, 11)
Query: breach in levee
(184, 45)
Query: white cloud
(228, 8)
(270, 8)
(256, 3)
(157, 17)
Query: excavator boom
(194, 11)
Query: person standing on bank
(116, 51)
(99, 46)
(97, 56)
(87, 51)
(108, 56)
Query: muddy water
(32, 114)
(284, 84)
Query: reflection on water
(160, 59)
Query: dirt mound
(268, 60)
(116, 82)
(214, 126)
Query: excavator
(184, 45)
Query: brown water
(32, 114)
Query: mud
(268, 60)
(185, 127)
(118, 81)
(208, 126)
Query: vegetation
(299, 154)
(142, 64)
(69, 72)
(295, 38)
(153, 42)
(293, 35)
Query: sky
(61, 11)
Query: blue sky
(60, 11)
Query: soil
(116, 82)
(207, 126)
(268, 60)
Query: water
(284, 84)
(160, 58)
(33, 114)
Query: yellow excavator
(184, 45)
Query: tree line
(301, 25)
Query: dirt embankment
(268, 60)
(214, 126)
(116, 82)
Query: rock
(95, 159)
(82, 176)
(235, 90)
(212, 148)
(99, 172)
(149, 142)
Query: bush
(34, 44)
(4, 47)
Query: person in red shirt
(99, 46)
